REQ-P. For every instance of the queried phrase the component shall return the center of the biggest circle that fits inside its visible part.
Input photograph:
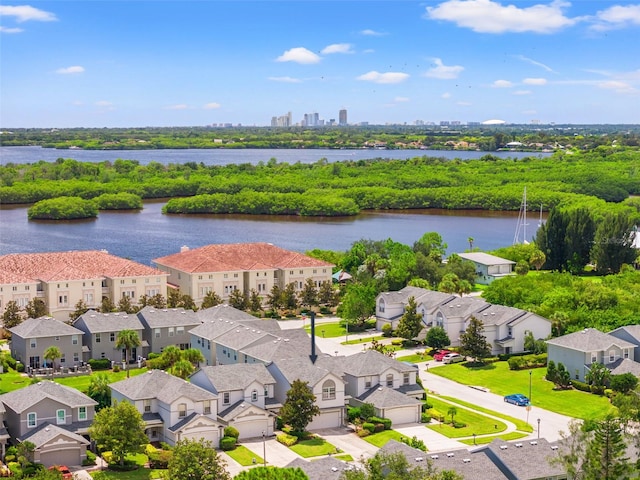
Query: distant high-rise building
(342, 117)
(281, 121)
(311, 120)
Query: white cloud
(70, 70)
(617, 86)
(443, 72)
(24, 13)
(285, 79)
(372, 33)
(401, 99)
(299, 55)
(533, 62)
(10, 30)
(103, 103)
(522, 92)
(337, 48)
(502, 84)
(387, 77)
(445, 95)
(488, 16)
(617, 16)
(535, 81)
(211, 106)
(464, 104)
(179, 106)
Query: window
(60, 417)
(405, 378)
(225, 398)
(315, 271)
(156, 332)
(612, 355)
(88, 298)
(62, 358)
(62, 300)
(329, 390)
(33, 343)
(235, 275)
(290, 272)
(254, 395)
(179, 330)
(182, 410)
(74, 339)
(206, 407)
(301, 272)
(171, 331)
(147, 405)
(112, 337)
(199, 277)
(367, 382)
(594, 358)
(205, 290)
(121, 282)
(97, 338)
(390, 380)
(32, 419)
(226, 275)
(266, 392)
(82, 413)
(381, 306)
(76, 357)
(626, 353)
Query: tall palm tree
(127, 339)
(51, 353)
(182, 368)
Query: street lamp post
(530, 372)
(264, 448)
(538, 429)
(346, 335)
(474, 438)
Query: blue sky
(184, 63)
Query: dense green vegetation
(63, 208)
(344, 188)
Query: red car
(440, 355)
(64, 470)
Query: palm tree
(182, 368)
(171, 354)
(470, 240)
(51, 353)
(127, 339)
(193, 355)
(453, 411)
(99, 390)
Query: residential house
(630, 333)
(325, 381)
(489, 267)
(167, 326)
(525, 460)
(62, 279)
(173, 409)
(100, 334)
(31, 338)
(4, 434)
(390, 306)
(578, 350)
(389, 385)
(54, 417)
(245, 393)
(224, 268)
(323, 468)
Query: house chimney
(184, 248)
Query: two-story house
(630, 333)
(245, 393)
(578, 350)
(167, 326)
(31, 338)
(489, 267)
(54, 417)
(100, 334)
(173, 409)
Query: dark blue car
(517, 399)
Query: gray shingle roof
(371, 362)
(43, 327)
(293, 343)
(624, 365)
(47, 432)
(499, 314)
(485, 259)
(462, 307)
(238, 376)
(168, 317)
(525, 460)
(224, 312)
(109, 322)
(402, 296)
(161, 385)
(385, 397)
(326, 468)
(237, 408)
(212, 329)
(589, 340)
(632, 330)
(242, 336)
(24, 398)
(301, 369)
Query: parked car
(517, 399)
(63, 469)
(440, 354)
(452, 358)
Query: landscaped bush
(20, 367)
(152, 355)
(363, 433)
(415, 442)
(425, 418)
(597, 389)
(8, 362)
(426, 406)
(286, 439)
(503, 357)
(107, 456)
(387, 330)
(367, 410)
(459, 425)
(99, 363)
(379, 427)
(370, 427)
(279, 423)
(583, 387)
(231, 432)
(116, 368)
(90, 460)
(528, 361)
(397, 342)
(384, 421)
(227, 443)
(353, 413)
(161, 458)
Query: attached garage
(56, 446)
(399, 416)
(61, 457)
(250, 421)
(391, 404)
(197, 427)
(327, 419)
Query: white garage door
(209, 434)
(252, 429)
(61, 457)
(400, 416)
(326, 420)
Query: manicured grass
(244, 456)
(12, 380)
(327, 330)
(475, 422)
(485, 440)
(356, 341)
(140, 474)
(520, 424)
(502, 381)
(380, 439)
(345, 457)
(82, 382)
(415, 358)
(314, 447)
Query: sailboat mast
(524, 206)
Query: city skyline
(169, 63)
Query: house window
(63, 300)
(315, 271)
(97, 338)
(367, 382)
(33, 343)
(156, 332)
(225, 398)
(74, 339)
(594, 358)
(235, 275)
(60, 417)
(206, 407)
(266, 392)
(147, 405)
(112, 337)
(301, 272)
(226, 275)
(76, 357)
(329, 390)
(88, 298)
(57, 339)
(612, 355)
(405, 378)
(82, 413)
(381, 306)
(62, 359)
(182, 410)
(121, 282)
(180, 331)
(171, 331)
(254, 395)
(626, 353)
(32, 419)
(390, 380)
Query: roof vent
(434, 457)
(503, 447)
(165, 310)
(451, 455)
(518, 445)
(493, 313)
(184, 248)
(466, 460)
(152, 311)
(484, 314)
(117, 314)
(533, 442)
(286, 339)
(554, 447)
(92, 316)
(419, 459)
(334, 469)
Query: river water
(147, 234)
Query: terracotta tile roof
(238, 257)
(73, 265)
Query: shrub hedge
(227, 443)
(286, 439)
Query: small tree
(289, 297)
(11, 316)
(537, 259)
(173, 298)
(624, 383)
(299, 407)
(119, 429)
(309, 294)
(124, 305)
(211, 299)
(437, 338)
(196, 460)
(238, 300)
(327, 295)
(255, 301)
(107, 305)
(473, 343)
(25, 453)
(182, 368)
(99, 390)
(51, 354)
(521, 268)
(598, 375)
(279, 473)
(410, 324)
(274, 298)
(79, 309)
(452, 412)
(36, 308)
(127, 339)
(157, 301)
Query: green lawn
(82, 382)
(314, 447)
(500, 380)
(140, 474)
(475, 422)
(244, 456)
(520, 424)
(345, 457)
(327, 330)
(12, 380)
(415, 358)
(484, 440)
(356, 341)
(380, 439)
